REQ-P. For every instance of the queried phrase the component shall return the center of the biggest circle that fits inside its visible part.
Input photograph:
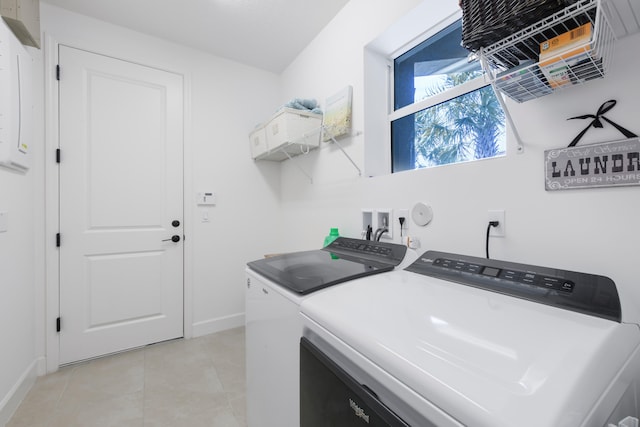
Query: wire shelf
(515, 65)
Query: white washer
(469, 341)
(275, 288)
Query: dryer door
(329, 396)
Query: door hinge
(58, 324)
(58, 72)
(57, 155)
(58, 240)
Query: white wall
(17, 284)
(332, 61)
(21, 198)
(585, 230)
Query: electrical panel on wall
(16, 102)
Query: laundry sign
(610, 164)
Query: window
(444, 110)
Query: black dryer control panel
(581, 292)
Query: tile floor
(190, 383)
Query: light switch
(4, 221)
(206, 198)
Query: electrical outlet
(497, 215)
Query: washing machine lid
(484, 358)
(344, 259)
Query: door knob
(175, 239)
(175, 223)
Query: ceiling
(266, 34)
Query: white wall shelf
(288, 133)
(303, 144)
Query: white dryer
(455, 340)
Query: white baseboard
(216, 325)
(14, 397)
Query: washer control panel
(581, 292)
(359, 250)
(508, 274)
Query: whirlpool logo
(358, 411)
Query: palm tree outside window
(444, 110)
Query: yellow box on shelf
(566, 42)
(569, 58)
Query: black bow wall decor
(597, 123)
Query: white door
(121, 139)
